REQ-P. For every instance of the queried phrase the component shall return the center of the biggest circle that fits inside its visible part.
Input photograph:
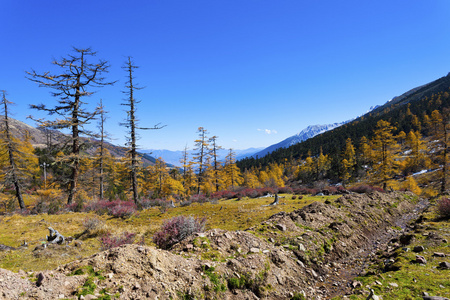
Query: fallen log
(55, 237)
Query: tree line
(398, 141)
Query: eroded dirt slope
(304, 252)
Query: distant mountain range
(174, 157)
(307, 133)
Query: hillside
(313, 252)
(419, 101)
(41, 138)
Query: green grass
(229, 214)
(413, 279)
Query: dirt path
(340, 281)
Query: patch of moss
(216, 280)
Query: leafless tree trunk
(102, 144)
(200, 157)
(445, 128)
(11, 149)
(71, 86)
(216, 163)
(132, 124)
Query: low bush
(185, 203)
(108, 241)
(365, 189)
(200, 198)
(443, 208)
(285, 190)
(223, 195)
(116, 208)
(92, 224)
(177, 229)
(148, 203)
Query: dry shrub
(443, 208)
(109, 241)
(94, 226)
(177, 229)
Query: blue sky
(252, 72)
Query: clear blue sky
(252, 72)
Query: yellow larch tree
(417, 158)
(251, 179)
(385, 149)
(232, 174)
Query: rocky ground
(314, 252)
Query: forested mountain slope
(400, 112)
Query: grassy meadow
(229, 214)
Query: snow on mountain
(307, 133)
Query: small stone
(393, 284)
(438, 254)
(40, 278)
(254, 250)
(90, 297)
(207, 265)
(444, 265)
(378, 282)
(281, 227)
(266, 251)
(271, 240)
(420, 260)
(418, 249)
(189, 247)
(427, 297)
(356, 284)
(61, 296)
(312, 272)
(301, 247)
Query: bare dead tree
(201, 155)
(132, 124)
(11, 149)
(103, 135)
(71, 86)
(215, 162)
(444, 138)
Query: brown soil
(315, 251)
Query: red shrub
(285, 190)
(177, 229)
(223, 195)
(107, 241)
(361, 189)
(332, 190)
(443, 208)
(116, 208)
